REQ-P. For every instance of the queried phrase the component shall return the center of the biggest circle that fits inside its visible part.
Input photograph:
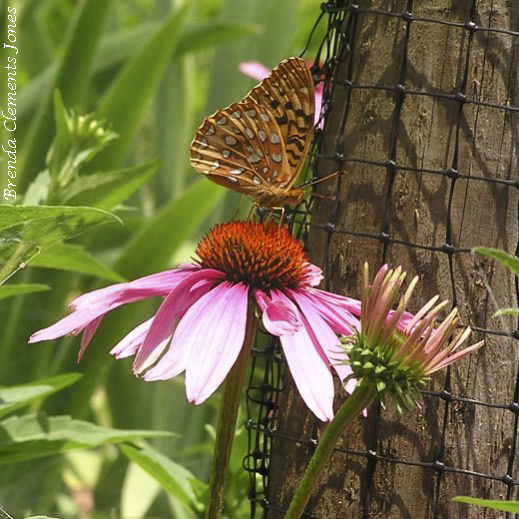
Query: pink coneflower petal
(93, 305)
(259, 72)
(319, 89)
(395, 353)
(254, 69)
(175, 360)
(160, 284)
(73, 324)
(189, 290)
(129, 345)
(338, 302)
(90, 329)
(201, 324)
(217, 338)
(311, 374)
(326, 337)
(340, 319)
(194, 326)
(314, 275)
(279, 317)
(456, 356)
(308, 364)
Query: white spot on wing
(265, 117)
(203, 142)
(250, 133)
(253, 159)
(215, 164)
(232, 179)
(256, 180)
(236, 114)
(210, 130)
(251, 113)
(276, 157)
(230, 140)
(274, 138)
(237, 171)
(226, 154)
(262, 135)
(222, 121)
(265, 170)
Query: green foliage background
(152, 70)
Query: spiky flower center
(377, 367)
(261, 255)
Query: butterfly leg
(238, 209)
(281, 214)
(322, 196)
(253, 207)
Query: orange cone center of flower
(262, 255)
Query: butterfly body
(258, 146)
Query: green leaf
(199, 36)
(74, 258)
(108, 189)
(173, 477)
(71, 80)
(62, 140)
(129, 95)
(16, 290)
(507, 311)
(38, 190)
(15, 397)
(38, 435)
(156, 241)
(138, 493)
(507, 260)
(116, 48)
(505, 506)
(26, 231)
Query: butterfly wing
(288, 94)
(241, 148)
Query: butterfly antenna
(311, 34)
(321, 179)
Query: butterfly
(258, 145)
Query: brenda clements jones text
(9, 115)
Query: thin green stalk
(361, 398)
(227, 416)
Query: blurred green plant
(508, 261)
(512, 264)
(504, 506)
(147, 72)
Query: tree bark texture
(394, 464)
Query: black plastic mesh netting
(435, 139)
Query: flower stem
(361, 397)
(227, 415)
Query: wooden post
(407, 151)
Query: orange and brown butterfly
(258, 146)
